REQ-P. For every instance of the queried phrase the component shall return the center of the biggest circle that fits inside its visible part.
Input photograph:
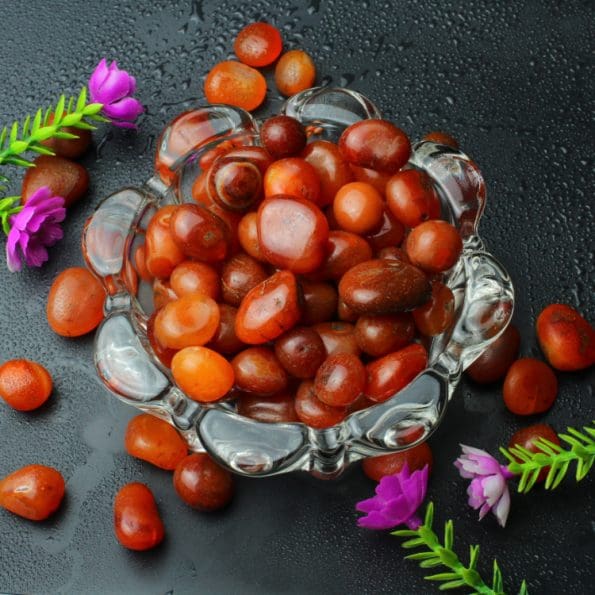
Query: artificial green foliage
(580, 449)
(19, 138)
(8, 206)
(437, 553)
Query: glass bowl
(126, 363)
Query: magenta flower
(488, 489)
(114, 89)
(397, 499)
(34, 228)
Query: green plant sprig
(8, 208)
(28, 136)
(442, 554)
(529, 465)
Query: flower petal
(127, 109)
(12, 256)
(502, 508)
(42, 194)
(389, 486)
(50, 234)
(115, 87)
(493, 487)
(369, 505)
(36, 254)
(375, 520)
(97, 79)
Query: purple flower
(488, 489)
(34, 228)
(114, 89)
(397, 499)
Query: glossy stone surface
(384, 286)
(65, 178)
(292, 233)
(512, 140)
(269, 309)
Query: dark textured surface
(512, 81)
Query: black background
(512, 81)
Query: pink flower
(397, 499)
(114, 89)
(34, 228)
(488, 489)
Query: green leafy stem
(29, 136)
(437, 553)
(529, 465)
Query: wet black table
(510, 80)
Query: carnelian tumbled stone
(202, 373)
(530, 387)
(375, 144)
(320, 302)
(391, 373)
(294, 72)
(269, 309)
(258, 44)
(338, 337)
(188, 321)
(300, 351)
(333, 171)
(137, 523)
(313, 412)
(340, 380)
(199, 233)
(195, 277)
(257, 370)
(24, 385)
(203, 484)
(292, 233)
(34, 492)
(277, 408)
(293, 177)
(566, 338)
(345, 250)
(236, 84)
(75, 303)
(415, 458)
(155, 441)
(162, 253)
(239, 275)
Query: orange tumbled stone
(269, 309)
(155, 441)
(202, 373)
(75, 303)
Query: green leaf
(421, 556)
(21, 162)
(64, 135)
(81, 102)
(473, 555)
(92, 109)
(36, 121)
(42, 150)
(59, 109)
(442, 576)
(84, 125)
(70, 105)
(46, 117)
(452, 585)
(14, 133)
(3, 135)
(72, 119)
(523, 590)
(430, 563)
(497, 581)
(429, 517)
(413, 543)
(579, 435)
(25, 127)
(448, 535)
